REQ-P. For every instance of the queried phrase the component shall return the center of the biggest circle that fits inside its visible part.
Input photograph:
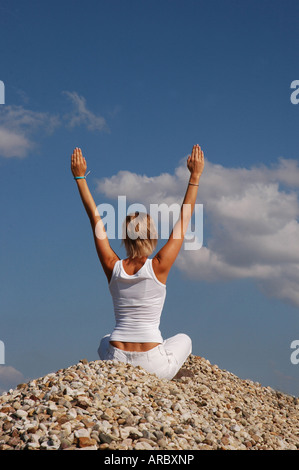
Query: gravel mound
(110, 405)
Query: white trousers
(164, 360)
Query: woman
(138, 284)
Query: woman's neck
(134, 264)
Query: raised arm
(106, 255)
(165, 258)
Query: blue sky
(135, 84)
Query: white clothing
(138, 300)
(164, 360)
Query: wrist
(194, 178)
(79, 180)
(80, 177)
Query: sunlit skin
(164, 259)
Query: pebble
(108, 405)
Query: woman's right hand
(195, 161)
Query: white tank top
(138, 301)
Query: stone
(105, 437)
(102, 405)
(21, 413)
(87, 442)
(143, 446)
(235, 428)
(83, 432)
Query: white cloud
(250, 221)
(18, 117)
(150, 190)
(17, 125)
(13, 144)
(81, 115)
(9, 378)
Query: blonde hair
(139, 235)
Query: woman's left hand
(78, 163)
(196, 161)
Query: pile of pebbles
(111, 405)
